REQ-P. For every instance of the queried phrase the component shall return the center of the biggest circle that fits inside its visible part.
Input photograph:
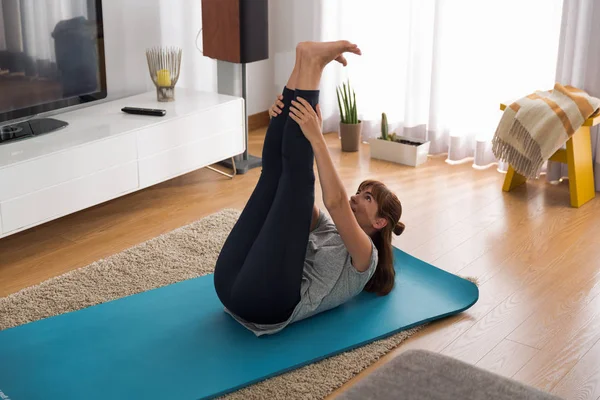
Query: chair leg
(231, 176)
(512, 179)
(581, 167)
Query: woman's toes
(342, 60)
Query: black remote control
(144, 111)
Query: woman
(284, 260)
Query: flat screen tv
(51, 57)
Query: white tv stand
(105, 153)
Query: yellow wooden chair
(577, 156)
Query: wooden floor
(537, 259)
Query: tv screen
(51, 55)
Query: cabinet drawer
(183, 159)
(65, 166)
(190, 129)
(68, 197)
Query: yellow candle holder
(164, 65)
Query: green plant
(347, 98)
(385, 135)
(384, 127)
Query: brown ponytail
(399, 228)
(390, 208)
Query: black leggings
(259, 271)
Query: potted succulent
(350, 125)
(398, 149)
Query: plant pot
(350, 136)
(401, 153)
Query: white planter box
(398, 152)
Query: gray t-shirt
(329, 278)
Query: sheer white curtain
(2, 33)
(39, 20)
(26, 25)
(579, 65)
(437, 68)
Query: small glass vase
(165, 93)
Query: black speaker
(235, 30)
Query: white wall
(132, 26)
(291, 22)
(261, 88)
(180, 22)
(129, 27)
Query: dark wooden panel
(25, 90)
(259, 120)
(221, 30)
(254, 16)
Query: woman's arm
(334, 194)
(355, 239)
(315, 217)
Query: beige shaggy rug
(182, 254)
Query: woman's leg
(267, 287)
(246, 230)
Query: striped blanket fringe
(528, 165)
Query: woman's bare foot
(312, 57)
(325, 52)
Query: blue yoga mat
(176, 342)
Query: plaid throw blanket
(533, 128)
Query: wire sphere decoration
(164, 65)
